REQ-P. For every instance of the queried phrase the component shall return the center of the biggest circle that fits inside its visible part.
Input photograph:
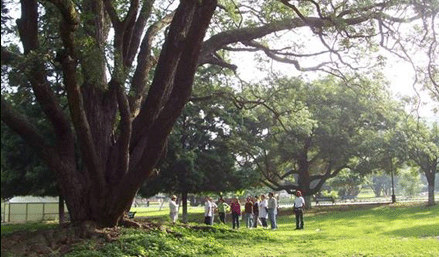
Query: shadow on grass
(376, 211)
(416, 231)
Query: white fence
(25, 212)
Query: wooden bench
(318, 199)
(131, 214)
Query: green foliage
(201, 157)
(409, 182)
(22, 171)
(179, 241)
(346, 183)
(333, 194)
(380, 184)
(293, 128)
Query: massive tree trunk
(127, 163)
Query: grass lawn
(372, 230)
(378, 231)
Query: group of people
(256, 211)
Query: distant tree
(346, 183)
(409, 182)
(299, 134)
(423, 149)
(410, 142)
(381, 184)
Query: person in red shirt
(236, 212)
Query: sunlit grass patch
(395, 230)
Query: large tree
(120, 140)
(111, 94)
(302, 134)
(422, 147)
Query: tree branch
(118, 163)
(136, 36)
(21, 125)
(44, 95)
(273, 56)
(294, 8)
(215, 59)
(172, 84)
(114, 18)
(145, 63)
(68, 28)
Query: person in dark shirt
(248, 212)
(255, 212)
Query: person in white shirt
(208, 211)
(214, 208)
(263, 214)
(299, 205)
(272, 207)
(173, 208)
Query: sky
(401, 77)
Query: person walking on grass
(272, 205)
(173, 209)
(299, 205)
(263, 211)
(248, 212)
(223, 207)
(236, 212)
